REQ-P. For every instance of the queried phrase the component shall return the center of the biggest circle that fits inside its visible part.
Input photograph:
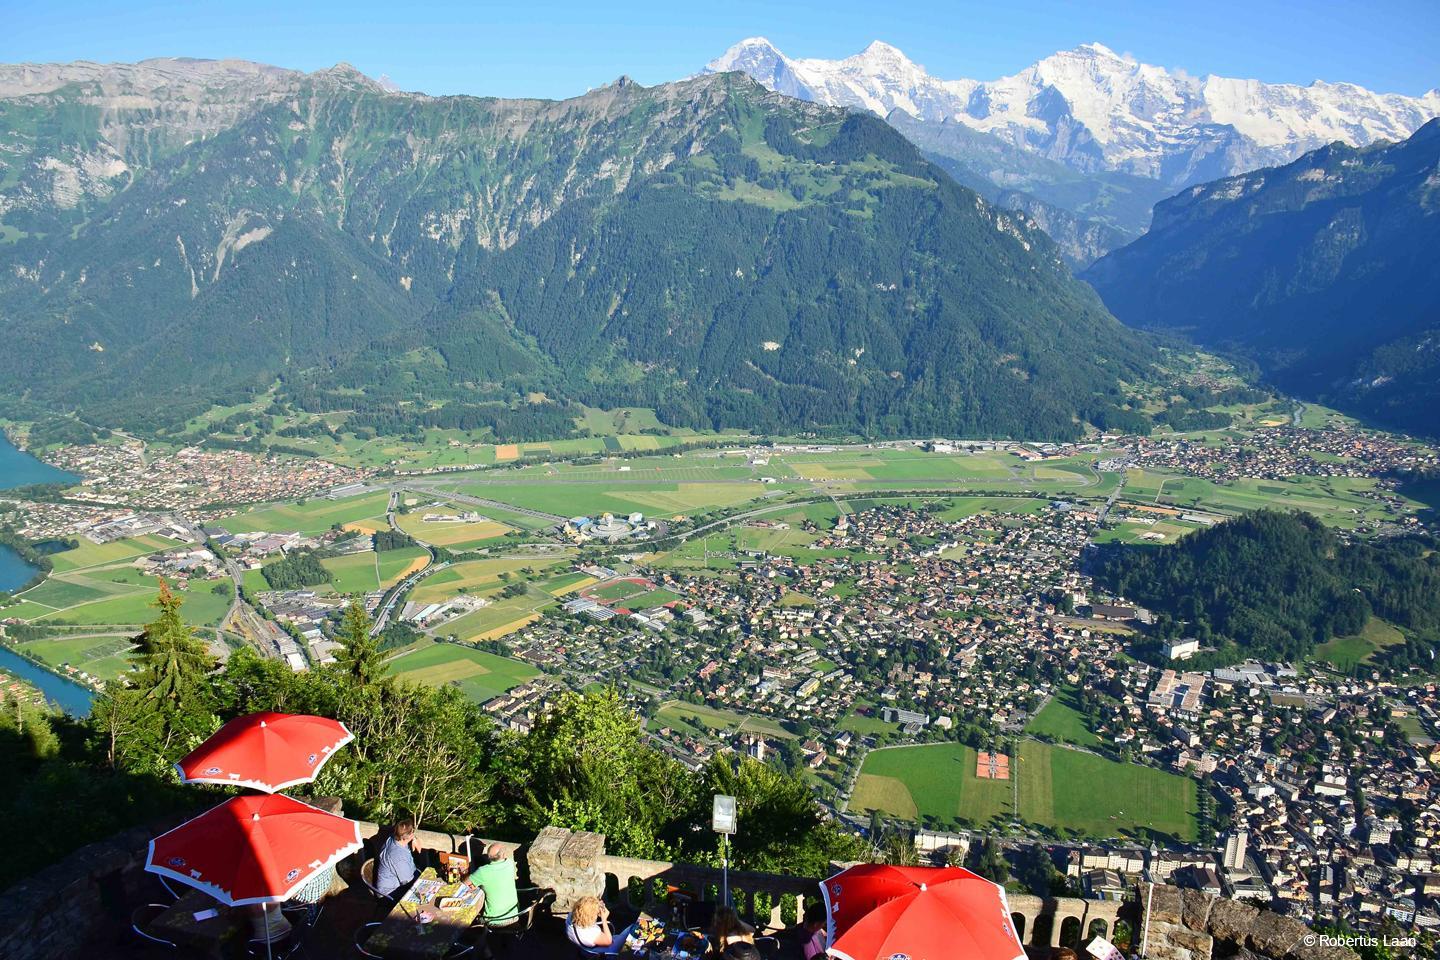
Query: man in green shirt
(497, 878)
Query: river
(18, 469)
(65, 694)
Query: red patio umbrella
(265, 751)
(881, 912)
(253, 848)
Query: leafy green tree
(992, 864)
(587, 765)
(781, 828)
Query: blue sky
(554, 49)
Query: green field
(134, 605)
(102, 656)
(1338, 501)
(310, 517)
(95, 585)
(1062, 720)
(456, 536)
(700, 719)
(89, 554)
(867, 725)
(479, 675)
(1062, 788)
(501, 617)
(480, 576)
(364, 572)
(1347, 652)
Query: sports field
(312, 516)
(1059, 787)
(100, 655)
(479, 675)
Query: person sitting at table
(809, 942)
(496, 876)
(690, 946)
(267, 922)
(741, 950)
(729, 928)
(313, 892)
(395, 868)
(588, 926)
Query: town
(841, 635)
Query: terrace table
(402, 935)
(204, 937)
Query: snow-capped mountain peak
(1095, 109)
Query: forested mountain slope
(1273, 585)
(1324, 270)
(729, 256)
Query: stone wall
(54, 912)
(59, 909)
(1095, 917)
(1190, 925)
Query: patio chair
(362, 934)
(382, 902)
(281, 948)
(367, 877)
(165, 885)
(299, 913)
(511, 928)
(144, 915)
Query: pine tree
(172, 658)
(360, 652)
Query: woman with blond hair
(589, 926)
(729, 928)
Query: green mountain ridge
(726, 255)
(1322, 270)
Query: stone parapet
(1190, 925)
(567, 862)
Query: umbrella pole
(265, 909)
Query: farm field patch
(479, 675)
(311, 516)
(456, 536)
(476, 576)
(1344, 653)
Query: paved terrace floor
(333, 937)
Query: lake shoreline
(62, 691)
